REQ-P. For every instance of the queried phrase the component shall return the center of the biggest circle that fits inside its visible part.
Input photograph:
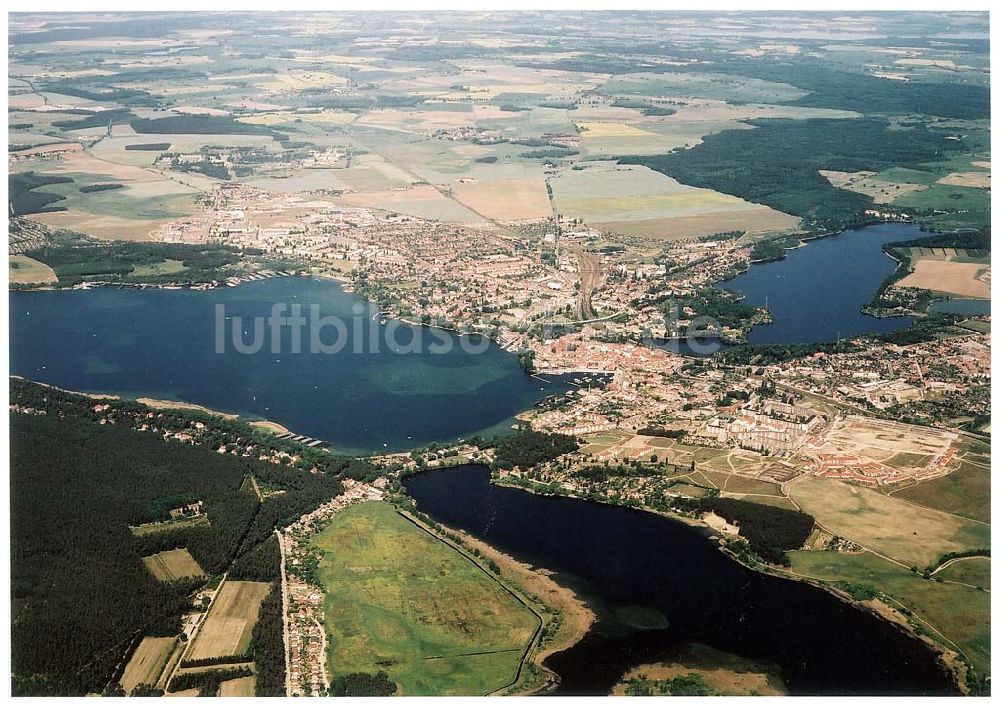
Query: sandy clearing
(980, 180)
(21, 269)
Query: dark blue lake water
(965, 307)
(620, 558)
(163, 344)
(817, 291)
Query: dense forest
(770, 531)
(358, 684)
(778, 163)
(24, 194)
(81, 593)
(527, 448)
(206, 430)
(76, 258)
(197, 125)
(268, 646)
(828, 86)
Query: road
(284, 617)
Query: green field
(402, 601)
(965, 492)
(973, 570)
(960, 613)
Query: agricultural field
(505, 199)
(228, 626)
(244, 686)
(639, 202)
(971, 570)
(965, 491)
(949, 271)
(953, 614)
(23, 270)
(147, 662)
(399, 599)
(907, 534)
(173, 565)
(869, 184)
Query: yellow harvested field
(966, 279)
(915, 536)
(197, 110)
(23, 270)
(228, 627)
(760, 220)
(505, 200)
(301, 80)
(244, 686)
(172, 565)
(640, 202)
(981, 164)
(102, 227)
(611, 130)
(147, 662)
(186, 694)
(332, 59)
(977, 180)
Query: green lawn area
(402, 601)
(973, 570)
(962, 614)
(167, 267)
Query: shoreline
(949, 658)
(233, 281)
(155, 403)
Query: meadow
(958, 615)
(965, 491)
(402, 601)
(910, 535)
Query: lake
(816, 292)
(627, 559)
(965, 307)
(373, 394)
